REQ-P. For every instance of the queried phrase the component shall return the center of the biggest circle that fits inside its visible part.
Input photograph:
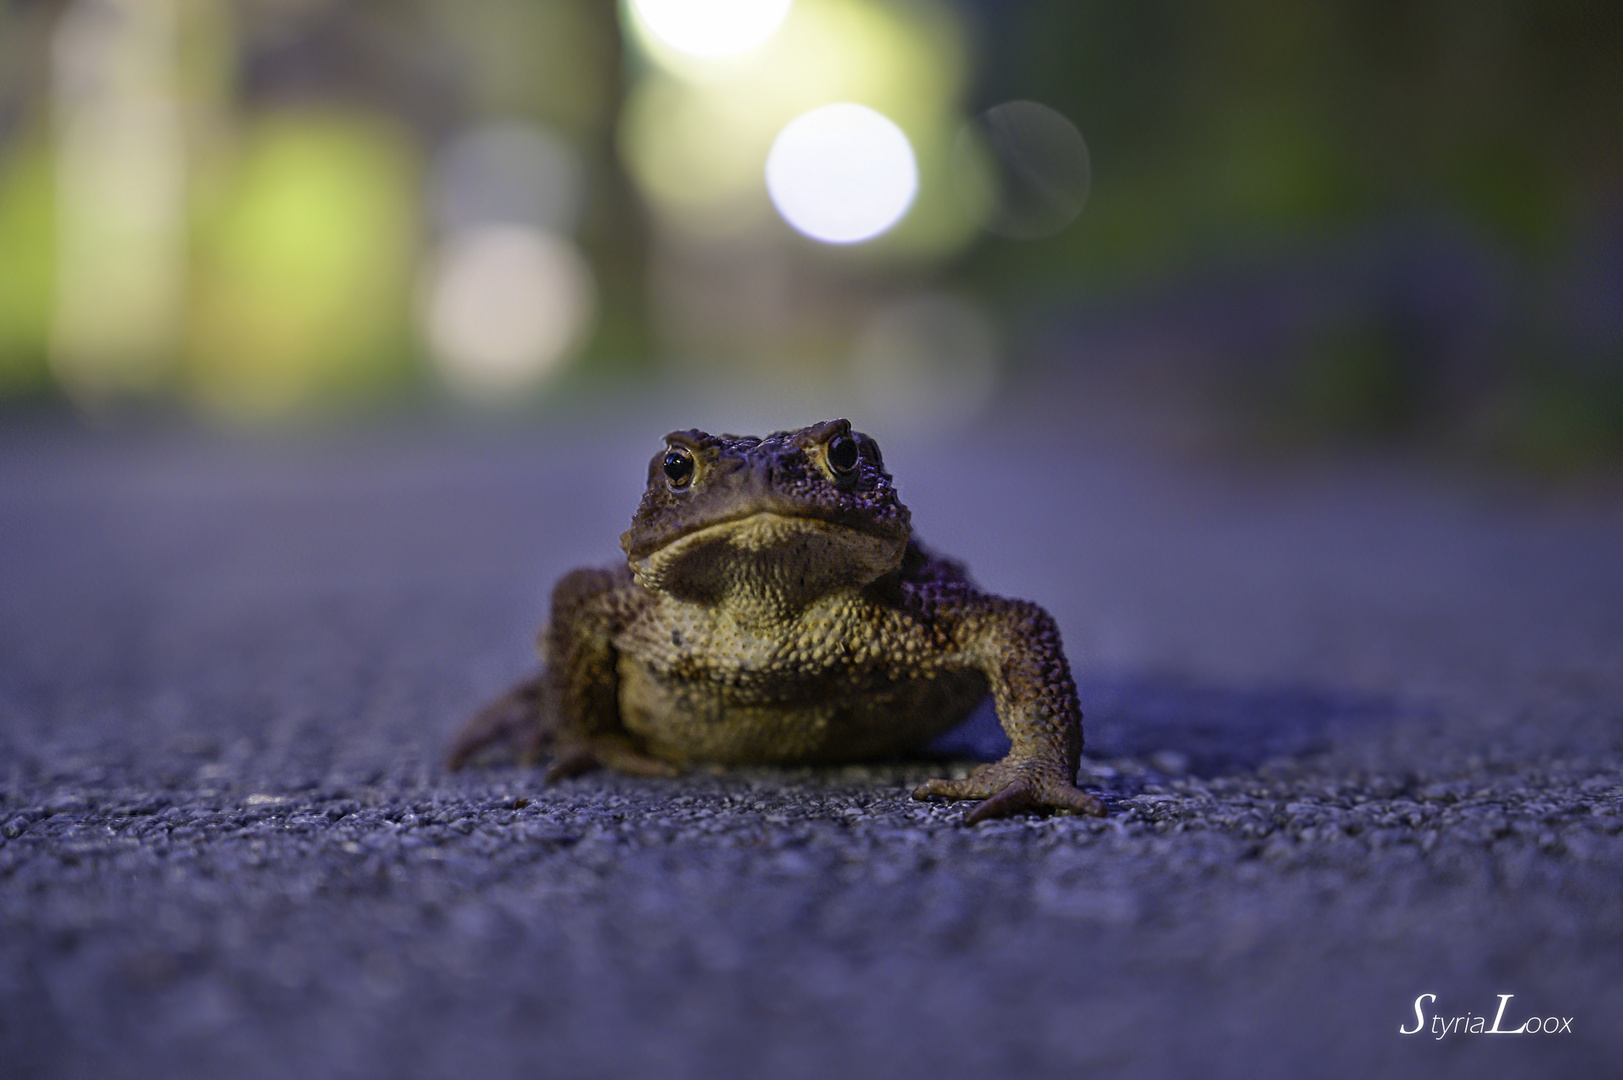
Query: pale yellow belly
(829, 719)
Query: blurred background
(1274, 347)
(1271, 224)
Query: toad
(775, 608)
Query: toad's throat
(786, 558)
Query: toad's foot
(520, 718)
(1007, 787)
(610, 751)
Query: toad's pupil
(842, 453)
(678, 467)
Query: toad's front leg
(1016, 645)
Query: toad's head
(798, 512)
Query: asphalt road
(1359, 728)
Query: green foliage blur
(1460, 147)
(1267, 122)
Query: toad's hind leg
(525, 719)
(571, 708)
(609, 750)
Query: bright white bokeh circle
(504, 307)
(841, 173)
(711, 28)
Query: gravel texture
(1359, 728)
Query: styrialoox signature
(1471, 1024)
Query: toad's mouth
(762, 547)
(755, 527)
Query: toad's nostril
(763, 474)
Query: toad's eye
(842, 454)
(678, 467)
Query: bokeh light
(121, 252)
(711, 28)
(28, 265)
(1023, 168)
(842, 173)
(303, 287)
(696, 147)
(504, 306)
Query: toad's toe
(1007, 788)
